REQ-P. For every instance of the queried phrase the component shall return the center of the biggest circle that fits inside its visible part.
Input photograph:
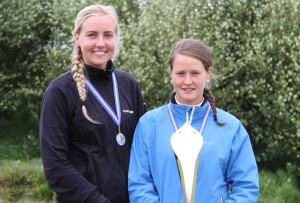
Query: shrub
(255, 45)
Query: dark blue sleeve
(68, 183)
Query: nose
(187, 79)
(100, 42)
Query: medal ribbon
(101, 100)
(175, 125)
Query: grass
(279, 187)
(18, 139)
(24, 181)
(22, 178)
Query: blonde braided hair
(78, 76)
(78, 66)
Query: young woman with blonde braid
(88, 116)
(189, 150)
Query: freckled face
(97, 39)
(189, 78)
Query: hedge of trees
(256, 46)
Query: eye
(108, 35)
(180, 73)
(92, 35)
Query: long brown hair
(198, 50)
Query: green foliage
(261, 61)
(255, 46)
(25, 31)
(18, 140)
(22, 181)
(279, 187)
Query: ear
(76, 39)
(209, 72)
(170, 71)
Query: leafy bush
(255, 45)
(18, 140)
(25, 31)
(262, 65)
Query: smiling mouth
(188, 89)
(99, 52)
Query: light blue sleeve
(140, 183)
(242, 171)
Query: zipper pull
(222, 200)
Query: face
(189, 78)
(97, 40)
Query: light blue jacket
(227, 162)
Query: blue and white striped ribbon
(101, 100)
(174, 122)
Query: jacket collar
(99, 73)
(179, 110)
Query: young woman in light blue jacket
(188, 150)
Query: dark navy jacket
(82, 160)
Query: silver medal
(120, 139)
